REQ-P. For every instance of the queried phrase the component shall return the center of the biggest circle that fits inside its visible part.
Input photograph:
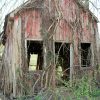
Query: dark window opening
(85, 54)
(63, 60)
(34, 55)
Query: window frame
(90, 50)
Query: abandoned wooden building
(61, 33)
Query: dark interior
(85, 55)
(63, 53)
(35, 47)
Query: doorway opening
(62, 52)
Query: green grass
(33, 62)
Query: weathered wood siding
(73, 16)
(63, 32)
(12, 57)
(32, 26)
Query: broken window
(63, 60)
(85, 54)
(34, 55)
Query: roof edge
(85, 8)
